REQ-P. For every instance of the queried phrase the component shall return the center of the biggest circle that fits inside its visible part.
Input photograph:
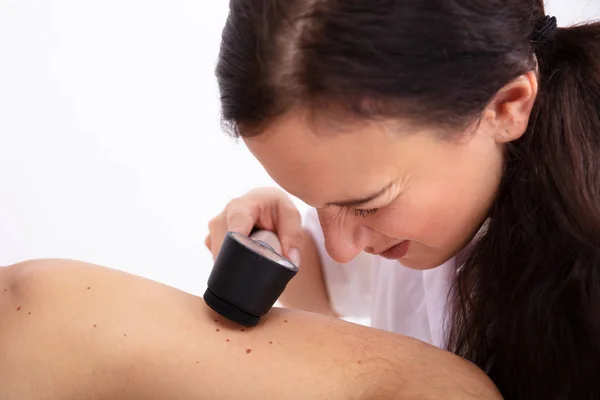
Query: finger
(289, 230)
(217, 229)
(216, 241)
(240, 223)
(241, 217)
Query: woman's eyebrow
(360, 201)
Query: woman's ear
(511, 107)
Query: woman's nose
(344, 236)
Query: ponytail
(566, 127)
(527, 300)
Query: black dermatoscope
(247, 278)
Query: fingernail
(234, 228)
(295, 257)
(236, 225)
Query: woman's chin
(422, 261)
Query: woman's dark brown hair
(525, 306)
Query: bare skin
(77, 331)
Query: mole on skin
(95, 325)
(19, 308)
(218, 330)
(248, 351)
(227, 340)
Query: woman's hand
(265, 208)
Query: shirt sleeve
(349, 285)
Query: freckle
(19, 308)
(88, 288)
(360, 362)
(248, 351)
(95, 325)
(242, 330)
(29, 313)
(124, 334)
(227, 340)
(197, 362)
(218, 330)
(216, 320)
(285, 320)
(5, 290)
(270, 342)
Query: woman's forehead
(319, 168)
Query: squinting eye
(363, 213)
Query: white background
(110, 145)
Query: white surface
(110, 145)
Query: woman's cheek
(425, 222)
(391, 221)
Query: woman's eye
(363, 213)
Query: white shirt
(395, 298)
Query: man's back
(70, 330)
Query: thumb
(292, 238)
(292, 245)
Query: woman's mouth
(396, 252)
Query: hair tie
(544, 30)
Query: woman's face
(378, 186)
(389, 188)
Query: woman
(76, 331)
(462, 135)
